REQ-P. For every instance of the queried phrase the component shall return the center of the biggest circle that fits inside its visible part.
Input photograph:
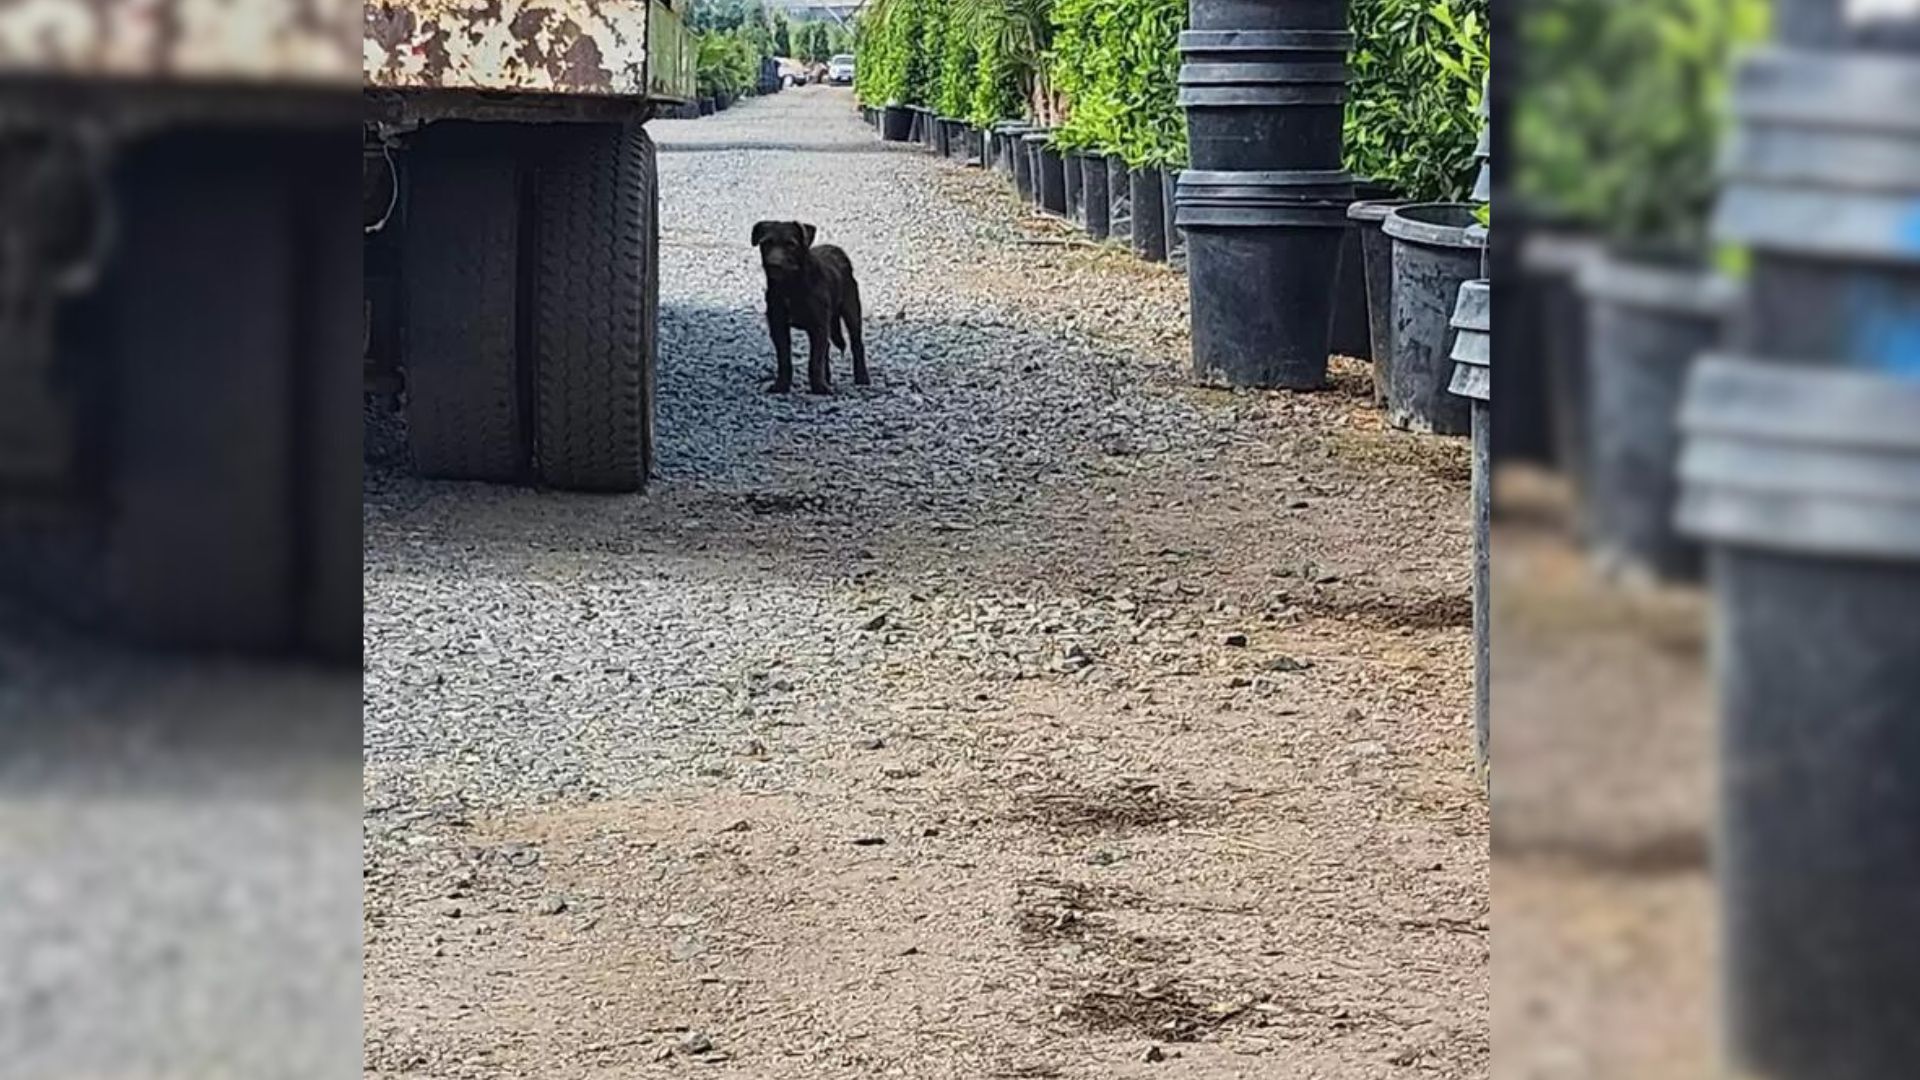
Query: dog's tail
(834, 331)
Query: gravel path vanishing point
(1030, 713)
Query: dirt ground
(1601, 812)
(1164, 769)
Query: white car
(840, 70)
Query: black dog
(811, 288)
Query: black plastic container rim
(1264, 95)
(1253, 187)
(1375, 211)
(1473, 308)
(1812, 460)
(1805, 88)
(1264, 73)
(1655, 286)
(1298, 213)
(1339, 41)
(1263, 178)
(1410, 224)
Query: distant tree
(782, 35)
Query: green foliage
(1621, 110)
(959, 58)
(1417, 71)
(1019, 33)
(1116, 63)
(782, 35)
(995, 91)
(725, 62)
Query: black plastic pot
(1021, 153)
(1473, 380)
(706, 106)
(1821, 187)
(1173, 235)
(1260, 273)
(1552, 264)
(1267, 100)
(1352, 334)
(1646, 324)
(1053, 180)
(942, 131)
(896, 124)
(1268, 15)
(1032, 144)
(1094, 197)
(1149, 236)
(1376, 264)
(1070, 172)
(1433, 255)
(1804, 483)
(1119, 200)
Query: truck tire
(460, 282)
(200, 524)
(596, 303)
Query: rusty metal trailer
(183, 331)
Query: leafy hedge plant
(725, 62)
(888, 69)
(1117, 65)
(1622, 108)
(1417, 70)
(959, 61)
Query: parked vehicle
(840, 70)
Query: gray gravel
(526, 646)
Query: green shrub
(959, 60)
(1117, 63)
(1417, 70)
(1622, 108)
(994, 93)
(725, 62)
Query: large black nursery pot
(1804, 483)
(1367, 218)
(706, 105)
(1472, 381)
(1006, 143)
(1174, 236)
(1031, 145)
(1119, 200)
(896, 123)
(1801, 473)
(1264, 99)
(1094, 198)
(1070, 170)
(1053, 179)
(1351, 330)
(1647, 321)
(942, 132)
(1433, 255)
(1262, 251)
(1552, 261)
(1026, 159)
(1268, 14)
(1149, 237)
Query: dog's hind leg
(818, 371)
(850, 318)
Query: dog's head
(783, 246)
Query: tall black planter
(1351, 331)
(1149, 215)
(1552, 263)
(896, 123)
(1433, 255)
(1805, 484)
(1260, 273)
(1368, 217)
(1093, 194)
(1268, 15)
(1173, 235)
(1053, 180)
(1032, 144)
(1646, 325)
(1119, 200)
(1020, 152)
(1070, 170)
(1264, 100)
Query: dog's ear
(807, 231)
(760, 231)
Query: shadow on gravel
(821, 146)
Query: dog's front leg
(782, 350)
(817, 346)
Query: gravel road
(1029, 713)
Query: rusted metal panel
(305, 42)
(548, 46)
